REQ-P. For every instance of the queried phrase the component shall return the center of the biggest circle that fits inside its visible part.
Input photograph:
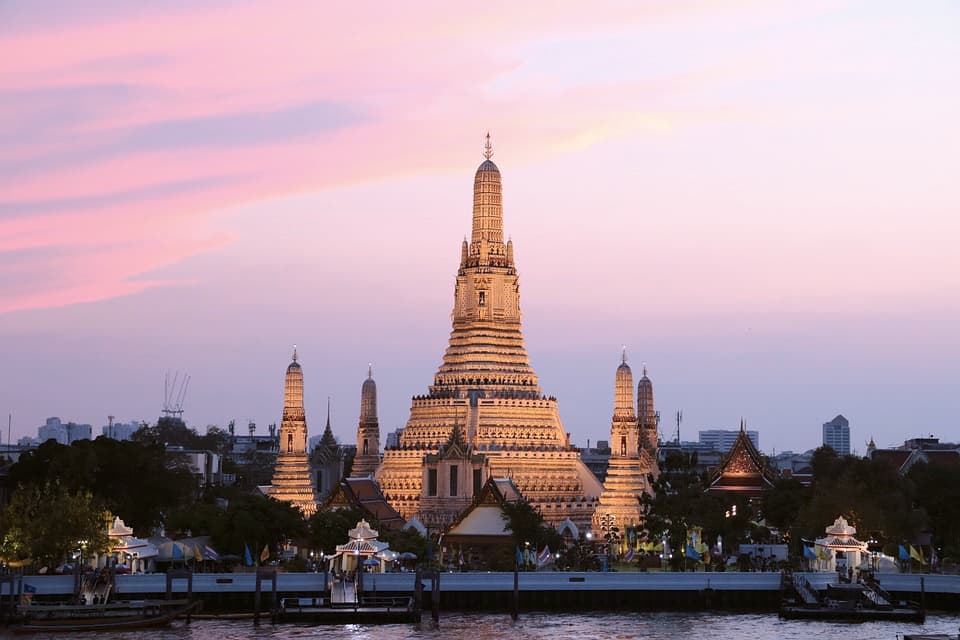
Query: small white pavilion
(362, 547)
(135, 553)
(839, 550)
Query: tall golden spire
(487, 210)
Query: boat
(93, 610)
(845, 601)
(132, 614)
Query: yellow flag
(197, 554)
(916, 555)
(265, 554)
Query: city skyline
(757, 199)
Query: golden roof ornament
(488, 148)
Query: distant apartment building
(393, 438)
(206, 466)
(836, 435)
(722, 439)
(597, 458)
(120, 430)
(63, 432)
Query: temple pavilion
(839, 550)
(743, 471)
(362, 550)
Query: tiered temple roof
(487, 385)
(743, 470)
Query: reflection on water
(555, 626)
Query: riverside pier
(570, 591)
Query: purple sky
(759, 199)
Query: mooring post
(324, 565)
(418, 593)
(435, 596)
(256, 599)
(515, 598)
(923, 602)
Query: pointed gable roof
(743, 470)
(364, 494)
(483, 522)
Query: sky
(759, 199)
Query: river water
(554, 626)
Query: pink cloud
(119, 112)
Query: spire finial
(623, 356)
(487, 148)
(328, 412)
(294, 353)
(743, 424)
(369, 370)
(644, 369)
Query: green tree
(258, 521)
(329, 528)
(871, 494)
(938, 494)
(680, 503)
(48, 522)
(135, 481)
(528, 528)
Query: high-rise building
(368, 431)
(120, 430)
(629, 465)
(291, 476)
(63, 432)
(485, 413)
(836, 434)
(722, 440)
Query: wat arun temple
(484, 415)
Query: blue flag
(904, 554)
(247, 558)
(808, 552)
(692, 553)
(177, 552)
(519, 556)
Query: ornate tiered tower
(647, 419)
(368, 431)
(629, 464)
(487, 386)
(291, 476)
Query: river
(554, 626)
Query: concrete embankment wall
(651, 591)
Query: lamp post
(589, 537)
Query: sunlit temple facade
(485, 414)
(292, 481)
(631, 460)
